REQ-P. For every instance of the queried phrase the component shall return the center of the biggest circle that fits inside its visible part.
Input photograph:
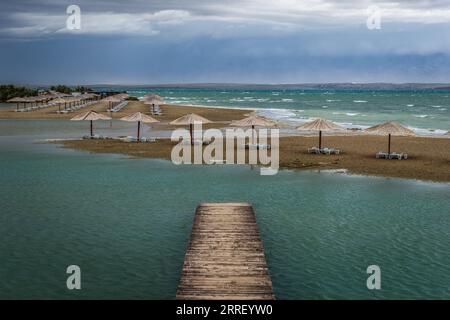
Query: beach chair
(130, 139)
(330, 151)
(398, 156)
(382, 155)
(314, 150)
(335, 151)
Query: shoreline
(134, 106)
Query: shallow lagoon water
(126, 223)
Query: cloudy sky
(245, 41)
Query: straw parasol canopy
(90, 116)
(139, 117)
(18, 100)
(153, 99)
(390, 129)
(152, 96)
(59, 101)
(111, 100)
(253, 121)
(190, 119)
(320, 125)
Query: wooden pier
(225, 257)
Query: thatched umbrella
(59, 101)
(253, 121)
(139, 117)
(18, 100)
(153, 99)
(152, 96)
(90, 116)
(111, 100)
(390, 129)
(190, 119)
(320, 125)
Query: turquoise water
(425, 111)
(126, 223)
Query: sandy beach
(429, 158)
(169, 113)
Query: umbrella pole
(190, 132)
(17, 106)
(253, 139)
(320, 139)
(92, 128)
(139, 131)
(389, 144)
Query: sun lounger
(382, 155)
(398, 156)
(392, 155)
(144, 139)
(328, 151)
(314, 150)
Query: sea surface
(427, 112)
(126, 223)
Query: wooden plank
(225, 257)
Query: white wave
(350, 114)
(359, 101)
(325, 107)
(278, 114)
(331, 100)
(428, 132)
(436, 106)
(410, 105)
(420, 115)
(287, 100)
